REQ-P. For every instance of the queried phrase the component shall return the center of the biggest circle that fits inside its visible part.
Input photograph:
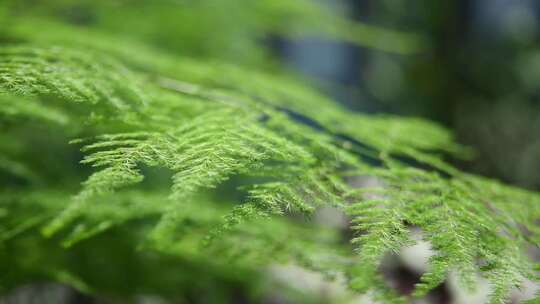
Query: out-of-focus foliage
(195, 168)
(231, 30)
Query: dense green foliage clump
(159, 131)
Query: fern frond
(71, 75)
(208, 123)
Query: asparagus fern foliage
(133, 110)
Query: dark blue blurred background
(479, 75)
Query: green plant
(148, 119)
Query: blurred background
(479, 74)
(473, 66)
